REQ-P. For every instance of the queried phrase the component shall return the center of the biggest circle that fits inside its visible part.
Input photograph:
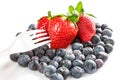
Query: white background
(16, 15)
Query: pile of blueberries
(59, 64)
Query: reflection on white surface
(16, 15)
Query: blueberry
(77, 52)
(109, 28)
(101, 43)
(99, 34)
(108, 48)
(23, 60)
(107, 32)
(64, 71)
(103, 26)
(41, 66)
(77, 72)
(44, 59)
(87, 50)
(88, 44)
(95, 39)
(104, 38)
(31, 27)
(33, 65)
(29, 53)
(97, 25)
(50, 53)
(78, 62)
(66, 63)
(90, 66)
(80, 57)
(56, 76)
(39, 52)
(18, 33)
(57, 58)
(49, 70)
(110, 41)
(98, 49)
(45, 47)
(61, 52)
(99, 63)
(91, 56)
(98, 30)
(14, 56)
(54, 63)
(102, 55)
(35, 58)
(70, 56)
(77, 46)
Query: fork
(27, 41)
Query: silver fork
(27, 41)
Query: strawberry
(86, 27)
(61, 32)
(43, 23)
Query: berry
(33, 65)
(77, 52)
(14, 56)
(99, 63)
(54, 63)
(64, 71)
(88, 44)
(66, 63)
(77, 72)
(108, 48)
(107, 32)
(104, 38)
(29, 53)
(39, 52)
(50, 53)
(95, 39)
(61, 52)
(44, 59)
(43, 23)
(98, 49)
(77, 46)
(78, 62)
(57, 58)
(61, 32)
(45, 47)
(42, 66)
(80, 57)
(97, 25)
(98, 30)
(103, 26)
(87, 50)
(70, 56)
(91, 56)
(86, 28)
(32, 27)
(49, 70)
(102, 55)
(101, 43)
(23, 60)
(56, 76)
(90, 66)
(110, 41)
(35, 58)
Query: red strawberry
(43, 23)
(86, 28)
(61, 32)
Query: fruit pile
(90, 43)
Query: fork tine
(38, 35)
(34, 32)
(40, 39)
(42, 43)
